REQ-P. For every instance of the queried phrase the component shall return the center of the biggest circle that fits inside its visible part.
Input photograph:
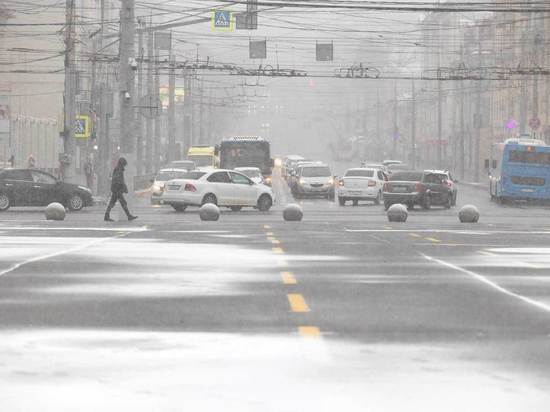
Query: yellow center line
(431, 239)
(297, 303)
(275, 241)
(269, 233)
(267, 227)
(309, 331)
(414, 235)
(288, 278)
(388, 227)
(277, 250)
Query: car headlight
(330, 181)
(157, 188)
(302, 182)
(86, 189)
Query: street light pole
(413, 126)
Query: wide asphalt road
(342, 311)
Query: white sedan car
(221, 187)
(361, 184)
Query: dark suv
(29, 187)
(425, 189)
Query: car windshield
(169, 175)
(317, 171)
(193, 175)
(252, 173)
(407, 176)
(359, 173)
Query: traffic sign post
(222, 20)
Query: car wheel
(427, 203)
(5, 202)
(179, 208)
(264, 203)
(378, 198)
(454, 199)
(75, 202)
(355, 202)
(341, 201)
(410, 206)
(209, 198)
(387, 205)
(236, 208)
(449, 203)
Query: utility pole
(462, 151)
(69, 144)
(156, 144)
(378, 142)
(413, 126)
(171, 155)
(140, 94)
(477, 117)
(201, 113)
(149, 102)
(439, 95)
(127, 67)
(395, 130)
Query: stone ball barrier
(209, 212)
(397, 213)
(293, 213)
(468, 214)
(55, 211)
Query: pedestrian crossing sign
(222, 20)
(82, 127)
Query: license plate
(399, 189)
(528, 190)
(354, 193)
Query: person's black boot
(107, 218)
(132, 217)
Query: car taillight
(418, 187)
(341, 182)
(385, 187)
(448, 183)
(372, 183)
(190, 188)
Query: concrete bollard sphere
(293, 213)
(209, 212)
(55, 211)
(397, 213)
(468, 214)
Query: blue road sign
(221, 20)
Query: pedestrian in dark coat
(118, 188)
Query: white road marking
(490, 283)
(460, 232)
(59, 253)
(83, 229)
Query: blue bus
(519, 169)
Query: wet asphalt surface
(343, 310)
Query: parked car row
(308, 178)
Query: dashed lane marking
(432, 239)
(275, 242)
(269, 234)
(277, 250)
(491, 284)
(267, 227)
(309, 331)
(414, 235)
(297, 303)
(288, 278)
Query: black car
(29, 187)
(412, 188)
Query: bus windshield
(243, 154)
